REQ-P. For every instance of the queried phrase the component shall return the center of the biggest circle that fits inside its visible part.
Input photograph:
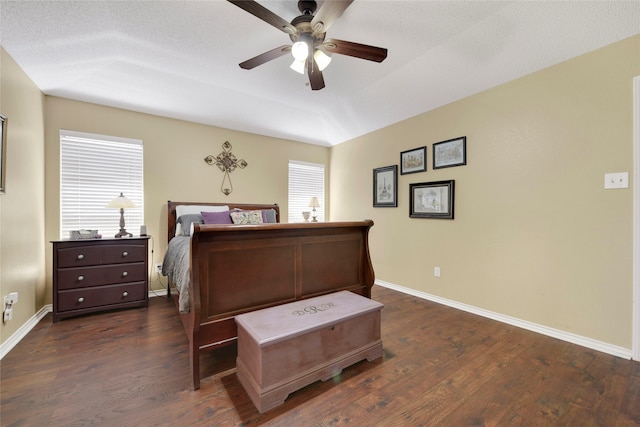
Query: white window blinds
(94, 169)
(306, 180)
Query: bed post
(194, 355)
(171, 231)
(369, 274)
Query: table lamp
(121, 202)
(314, 204)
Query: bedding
(176, 267)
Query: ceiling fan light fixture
(300, 51)
(309, 46)
(298, 66)
(322, 59)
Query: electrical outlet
(436, 271)
(616, 180)
(159, 268)
(7, 315)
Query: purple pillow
(216, 217)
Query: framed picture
(431, 199)
(412, 161)
(385, 187)
(3, 152)
(452, 152)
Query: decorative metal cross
(227, 162)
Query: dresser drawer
(77, 299)
(96, 254)
(82, 277)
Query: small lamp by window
(314, 204)
(121, 202)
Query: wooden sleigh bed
(234, 269)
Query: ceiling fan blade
(327, 14)
(265, 57)
(362, 51)
(265, 14)
(315, 75)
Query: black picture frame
(3, 153)
(385, 187)
(450, 153)
(432, 199)
(413, 161)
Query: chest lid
(286, 321)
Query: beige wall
(535, 235)
(22, 244)
(174, 167)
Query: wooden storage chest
(284, 348)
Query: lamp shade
(121, 202)
(300, 50)
(298, 66)
(322, 59)
(314, 203)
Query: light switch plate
(616, 180)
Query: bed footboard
(235, 269)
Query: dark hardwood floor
(440, 366)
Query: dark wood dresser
(99, 274)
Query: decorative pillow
(246, 217)
(185, 222)
(217, 217)
(269, 215)
(194, 209)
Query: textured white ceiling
(180, 58)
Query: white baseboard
(614, 350)
(158, 293)
(22, 332)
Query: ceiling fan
(307, 32)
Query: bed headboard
(171, 211)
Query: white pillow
(195, 209)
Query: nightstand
(95, 275)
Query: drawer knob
(80, 257)
(125, 274)
(80, 299)
(125, 254)
(125, 294)
(80, 278)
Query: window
(94, 169)
(306, 180)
